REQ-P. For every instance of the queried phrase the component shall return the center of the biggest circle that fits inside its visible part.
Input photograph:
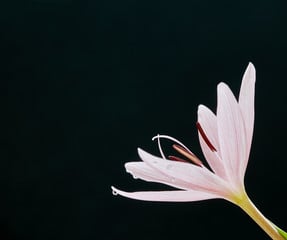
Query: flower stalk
(247, 205)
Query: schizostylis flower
(225, 139)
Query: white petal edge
(166, 196)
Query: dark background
(84, 83)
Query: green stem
(246, 204)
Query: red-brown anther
(205, 138)
(178, 159)
(187, 154)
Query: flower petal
(246, 103)
(197, 178)
(208, 122)
(143, 171)
(231, 133)
(166, 196)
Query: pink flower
(225, 139)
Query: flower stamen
(179, 147)
(172, 139)
(159, 145)
(187, 154)
(205, 138)
(177, 159)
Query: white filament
(158, 137)
(159, 146)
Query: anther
(205, 138)
(177, 159)
(187, 154)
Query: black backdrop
(84, 83)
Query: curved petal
(143, 171)
(231, 133)
(198, 178)
(166, 196)
(246, 103)
(208, 122)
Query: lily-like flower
(225, 139)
